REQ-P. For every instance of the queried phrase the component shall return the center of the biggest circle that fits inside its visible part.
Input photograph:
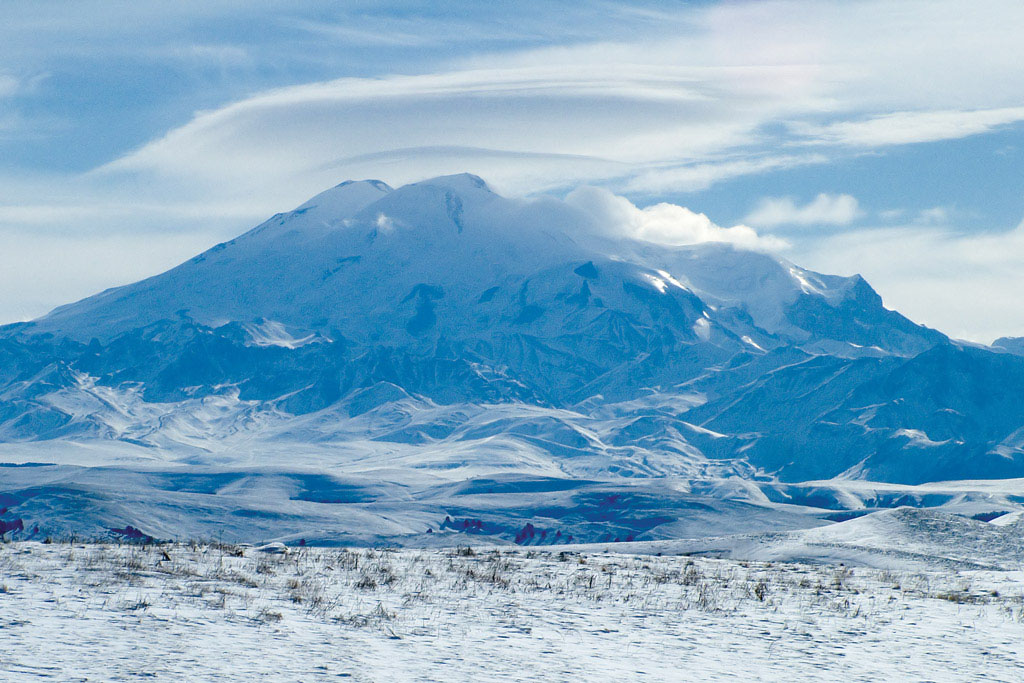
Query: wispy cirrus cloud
(825, 209)
(909, 127)
(720, 93)
(8, 85)
(702, 175)
(75, 265)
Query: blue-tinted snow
(380, 359)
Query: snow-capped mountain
(448, 259)
(444, 329)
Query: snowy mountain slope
(448, 259)
(448, 333)
(1013, 345)
(900, 538)
(368, 507)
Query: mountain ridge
(442, 330)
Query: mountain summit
(445, 328)
(449, 259)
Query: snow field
(221, 612)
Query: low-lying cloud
(663, 223)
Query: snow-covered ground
(888, 539)
(206, 612)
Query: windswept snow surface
(377, 360)
(224, 613)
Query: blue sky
(874, 137)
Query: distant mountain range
(444, 330)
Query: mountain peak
(459, 182)
(346, 198)
(1014, 345)
(449, 258)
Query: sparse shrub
(691, 575)
(266, 564)
(139, 604)
(707, 599)
(269, 616)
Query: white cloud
(907, 127)
(77, 238)
(46, 269)
(346, 33)
(122, 217)
(937, 215)
(8, 85)
(825, 209)
(700, 176)
(520, 126)
(663, 223)
(225, 56)
(711, 98)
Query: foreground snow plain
(225, 612)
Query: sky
(865, 136)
